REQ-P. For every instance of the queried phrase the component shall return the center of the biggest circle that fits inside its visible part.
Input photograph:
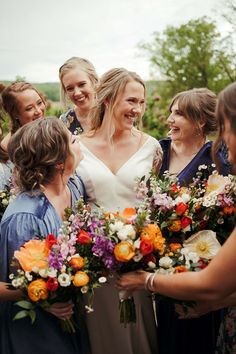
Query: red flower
(50, 240)
(146, 247)
(181, 208)
(185, 221)
(52, 284)
(150, 258)
(83, 238)
(174, 188)
(202, 264)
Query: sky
(37, 37)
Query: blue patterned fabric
(70, 120)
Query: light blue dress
(28, 216)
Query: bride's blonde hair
(111, 86)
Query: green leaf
(25, 304)
(21, 314)
(32, 315)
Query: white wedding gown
(116, 192)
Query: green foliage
(190, 56)
(50, 89)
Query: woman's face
(130, 105)
(76, 155)
(230, 139)
(30, 106)
(79, 88)
(181, 128)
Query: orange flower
(124, 251)
(180, 269)
(32, 254)
(174, 246)
(77, 262)
(175, 226)
(80, 279)
(229, 210)
(127, 213)
(37, 290)
(181, 208)
(150, 232)
(159, 244)
(83, 238)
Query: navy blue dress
(197, 335)
(70, 120)
(28, 216)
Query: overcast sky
(38, 36)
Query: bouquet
(5, 196)
(194, 220)
(57, 269)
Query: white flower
(216, 184)
(151, 265)
(127, 232)
(117, 226)
(165, 271)
(5, 202)
(138, 256)
(52, 273)
(84, 289)
(204, 243)
(184, 198)
(165, 262)
(64, 279)
(11, 276)
(35, 269)
(202, 167)
(28, 276)
(89, 309)
(102, 280)
(43, 273)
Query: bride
(116, 153)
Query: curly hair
(198, 105)
(10, 102)
(36, 150)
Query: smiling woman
(23, 104)
(78, 80)
(115, 154)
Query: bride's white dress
(116, 192)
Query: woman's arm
(8, 294)
(214, 283)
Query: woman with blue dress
(78, 80)
(43, 175)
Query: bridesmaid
(43, 175)
(78, 80)
(192, 119)
(22, 103)
(115, 154)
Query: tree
(190, 56)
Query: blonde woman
(115, 154)
(78, 80)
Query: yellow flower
(124, 251)
(32, 254)
(80, 279)
(37, 290)
(204, 243)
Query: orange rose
(80, 279)
(32, 254)
(175, 246)
(175, 226)
(77, 262)
(159, 244)
(37, 290)
(124, 251)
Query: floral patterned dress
(70, 119)
(226, 342)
